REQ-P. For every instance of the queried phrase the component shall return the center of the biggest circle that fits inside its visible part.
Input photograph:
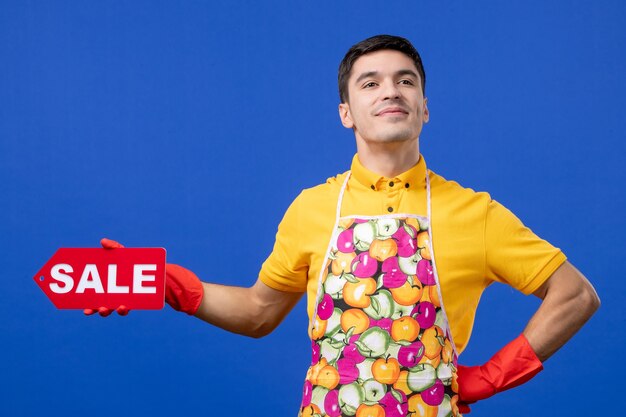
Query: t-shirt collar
(411, 178)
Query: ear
(345, 116)
(426, 112)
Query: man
(380, 250)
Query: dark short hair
(377, 43)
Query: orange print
(405, 328)
(358, 294)
(433, 340)
(418, 408)
(386, 371)
(434, 295)
(311, 410)
(319, 328)
(365, 410)
(354, 318)
(383, 249)
(342, 263)
(346, 223)
(328, 377)
(408, 294)
(401, 384)
(315, 370)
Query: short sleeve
(514, 254)
(286, 268)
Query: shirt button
(406, 185)
(389, 209)
(391, 183)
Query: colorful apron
(381, 342)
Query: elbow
(596, 302)
(590, 302)
(261, 323)
(258, 335)
(261, 329)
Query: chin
(397, 136)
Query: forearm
(569, 301)
(229, 308)
(253, 311)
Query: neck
(388, 159)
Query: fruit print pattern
(380, 341)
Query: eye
(369, 84)
(406, 82)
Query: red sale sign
(78, 278)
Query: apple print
(334, 284)
(393, 276)
(401, 311)
(425, 272)
(421, 377)
(348, 371)
(386, 227)
(330, 349)
(373, 342)
(424, 223)
(365, 369)
(345, 241)
(315, 352)
(307, 393)
(350, 397)
(364, 234)
(407, 242)
(439, 320)
(381, 305)
(395, 404)
(325, 307)
(364, 266)
(408, 265)
(445, 408)
(368, 253)
(331, 404)
(425, 313)
(445, 372)
(409, 356)
(434, 395)
(393, 350)
(351, 351)
(318, 395)
(374, 390)
(333, 324)
(384, 323)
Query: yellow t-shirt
(475, 239)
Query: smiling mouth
(392, 112)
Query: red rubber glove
(463, 408)
(183, 289)
(513, 365)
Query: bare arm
(569, 300)
(253, 311)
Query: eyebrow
(374, 73)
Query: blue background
(192, 125)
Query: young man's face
(385, 99)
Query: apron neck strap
(428, 206)
(340, 199)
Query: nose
(390, 91)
